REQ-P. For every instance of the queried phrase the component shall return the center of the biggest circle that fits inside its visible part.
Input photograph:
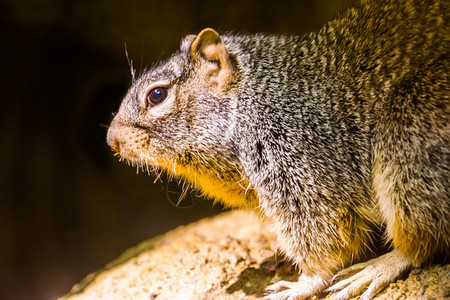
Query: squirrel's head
(180, 115)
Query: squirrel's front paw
(305, 287)
(371, 276)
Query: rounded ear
(207, 45)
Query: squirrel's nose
(111, 138)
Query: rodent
(332, 137)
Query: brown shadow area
(254, 281)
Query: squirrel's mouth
(146, 159)
(132, 146)
(143, 163)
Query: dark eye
(156, 96)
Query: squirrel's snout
(111, 138)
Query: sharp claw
(373, 276)
(304, 288)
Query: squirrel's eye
(156, 96)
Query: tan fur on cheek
(237, 194)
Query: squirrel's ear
(208, 46)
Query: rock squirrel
(333, 137)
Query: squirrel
(339, 139)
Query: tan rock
(220, 258)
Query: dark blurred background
(67, 206)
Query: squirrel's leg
(371, 276)
(409, 244)
(415, 207)
(319, 254)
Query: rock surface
(225, 257)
